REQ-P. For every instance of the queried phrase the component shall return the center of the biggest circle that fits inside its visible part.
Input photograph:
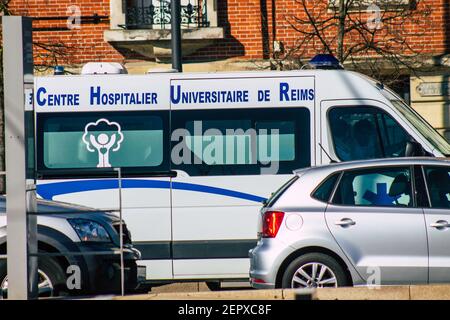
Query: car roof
(431, 161)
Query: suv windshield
(427, 131)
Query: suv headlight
(89, 230)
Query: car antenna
(329, 157)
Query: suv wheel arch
(302, 251)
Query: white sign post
(21, 227)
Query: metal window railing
(156, 14)
(119, 252)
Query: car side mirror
(415, 149)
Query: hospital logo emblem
(103, 137)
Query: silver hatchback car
(373, 222)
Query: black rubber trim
(209, 249)
(153, 250)
(100, 173)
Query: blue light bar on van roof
(59, 70)
(325, 61)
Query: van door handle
(440, 224)
(345, 222)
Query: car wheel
(314, 270)
(51, 283)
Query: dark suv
(75, 239)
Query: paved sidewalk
(420, 292)
(181, 287)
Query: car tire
(305, 264)
(2, 276)
(50, 268)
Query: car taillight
(258, 280)
(271, 223)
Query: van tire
(53, 271)
(213, 285)
(320, 258)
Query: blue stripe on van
(50, 190)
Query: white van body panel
(157, 269)
(211, 269)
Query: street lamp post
(176, 36)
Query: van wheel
(314, 270)
(213, 286)
(51, 283)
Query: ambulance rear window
(92, 140)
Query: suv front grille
(126, 232)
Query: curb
(413, 292)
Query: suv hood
(66, 210)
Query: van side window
(438, 183)
(275, 141)
(366, 133)
(390, 187)
(393, 136)
(240, 141)
(110, 139)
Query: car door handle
(345, 222)
(440, 224)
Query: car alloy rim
(314, 275)
(45, 285)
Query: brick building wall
(85, 44)
(253, 25)
(250, 28)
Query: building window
(156, 14)
(357, 5)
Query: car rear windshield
(277, 194)
(325, 189)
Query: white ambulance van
(199, 152)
